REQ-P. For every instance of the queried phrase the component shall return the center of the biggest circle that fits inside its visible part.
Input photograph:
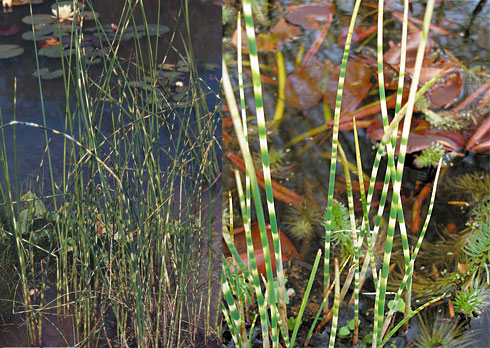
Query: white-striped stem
(401, 162)
(230, 99)
(390, 146)
(335, 140)
(409, 270)
(277, 295)
(243, 110)
(235, 324)
(336, 305)
(357, 240)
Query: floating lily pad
(153, 29)
(90, 16)
(46, 32)
(54, 52)
(169, 74)
(10, 51)
(142, 84)
(36, 19)
(48, 75)
(182, 66)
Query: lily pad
(90, 16)
(54, 52)
(169, 75)
(10, 51)
(141, 84)
(36, 19)
(48, 75)
(182, 66)
(153, 29)
(46, 32)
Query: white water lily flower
(65, 13)
(7, 5)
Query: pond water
(204, 17)
(460, 32)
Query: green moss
(430, 156)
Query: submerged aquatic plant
(441, 333)
(430, 156)
(477, 246)
(438, 120)
(341, 229)
(303, 223)
(473, 301)
(474, 187)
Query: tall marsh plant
(268, 293)
(133, 199)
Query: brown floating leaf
(282, 31)
(309, 16)
(265, 43)
(392, 56)
(356, 85)
(305, 85)
(280, 192)
(359, 34)
(480, 133)
(309, 83)
(287, 248)
(445, 91)
(421, 136)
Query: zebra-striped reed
(393, 174)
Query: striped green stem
(335, 141)
(400, 166)
(230, 99)
(336, 305)
(280, 295)
(409, 270)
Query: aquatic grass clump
(135, 196)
